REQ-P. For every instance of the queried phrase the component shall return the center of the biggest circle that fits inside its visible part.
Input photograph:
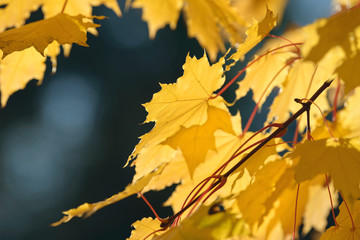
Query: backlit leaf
(339, 157)
(87, 209)
(17, 11)
(184, 103)
(345, 229)
(63, 28)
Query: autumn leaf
(338, 35)
(255, 34)
(143, 228)
(318, 207)
(62, 28)
(251, 200)
(185, 103)
(271, 75)
(345, 229)
(87, 209)
(18, 69)
(16, 12)
(159, 13)
(205, 20)
(338, 157)
(202, 225)
(251, 9)
(197, 140)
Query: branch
(305, 107)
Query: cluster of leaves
(24, 49)
(267, 187)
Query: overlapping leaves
(65, 22)
(195, 138)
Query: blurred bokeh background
(65, 142)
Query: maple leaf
(255, 34)
(87, 209)
(143, 228)
(259, 81)
(20, 64)
(345, 229)
(339, 157)
(250, 9)
(63, 28)
(184, 103)
(302, 79)
(251, 200)
(338, 35)
(205, 20)
(18, 69)
(202, 225)
(17, 11)
(317, 208)
(195, 141)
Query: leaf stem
(248, 124)
(151, 207)
(331, 201)
(248, 65)
(63, 8)
(347, 207)
(296, 203)
(282, 127)
(336, 100)
(288, 40)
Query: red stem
(288, 40)
(336, 100)
(248, 65)
(151, 207)
(347, 207)
(63, 8)
(296, 202)
(331, 201)
(248, 124)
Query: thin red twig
(248, 124)
(331, 201)
(63, 8)
(296, 202)
(336, 100)
(151, 207)
(288, 40)
(347, 207)
(248, 65)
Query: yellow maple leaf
(255, 33)
(202, 225)
(251, 200)
(318, 207)
(184, 103)
(159, 13)
(345, 117)
(303, 79)
(345, 229)
(17, 11)
(205, 20)
(338, 35)
(87, 209)
(195, 141)
(250, 9)
(63, 28)
(18, 69)
(143, 228)
(262, 82)
(339, 157)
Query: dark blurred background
(65, 142)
